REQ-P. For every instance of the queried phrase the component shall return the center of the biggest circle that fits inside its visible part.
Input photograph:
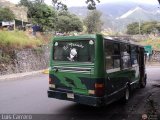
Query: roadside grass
(155, 43)
(18, 40)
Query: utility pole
(139, 27)
(14, 25)
(22, 19)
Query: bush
(5, 59)
(154, 42)
(18, 40)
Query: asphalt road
(28, 95)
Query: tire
(126, 95)
(143, 83)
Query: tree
(93, 21)
(145, 28)
(6, 14)
(40, 13)
(39, 1)
(51, 19)
(133, 28)
(149, 27)
(44, 16)
(92, 4)
(59, 5)
(29, 5)
(67, 22)
(26, 3)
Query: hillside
(117, 16)
(19, 11)
(139, 13)
(18, 40)
(153, 41)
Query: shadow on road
(113, 111)
(132, 110)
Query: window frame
(125, 56)
(74, 40)
(136, 54)
(112, 56)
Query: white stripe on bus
(113, 70)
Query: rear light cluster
(99, 89)
(50, 81)
(51, 84)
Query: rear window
(80, 51)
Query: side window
(112, 55)
(125, 56)
(134, 55)
(116, 56)
(108, 55)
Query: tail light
(51, 84)
(50, 81)
(99, 89)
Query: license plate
(70, 95)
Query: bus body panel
(79, 81)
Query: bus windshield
(74, 51)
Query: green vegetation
(93, 22)
(151, 29)
(4, 58)
(51, 19)
(45, 16)
(40, 13)
(153, 41)
(143, 28)
(60, 5)
(18, 40)
(6, 14)
(67, 22)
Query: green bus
(95, 70)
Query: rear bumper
(82, 99)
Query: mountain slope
(19, 11)
(118, 15)
(138, 14)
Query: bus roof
(88, 36)
(120, 39)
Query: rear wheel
(126, 95)
(143, 82)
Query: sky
(70, 3)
